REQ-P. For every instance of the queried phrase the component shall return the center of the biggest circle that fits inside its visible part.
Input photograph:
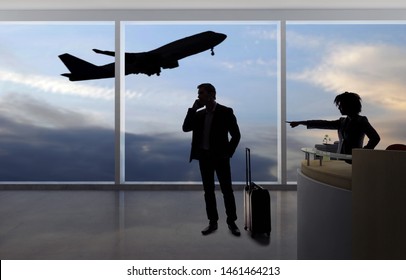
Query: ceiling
(206, 4)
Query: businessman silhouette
(213, 149)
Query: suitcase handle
(248, 167)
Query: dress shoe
(234, 229)
(211, 228)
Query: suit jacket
(224, 123)
(351, 132)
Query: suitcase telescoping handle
(248, 167)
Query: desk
(323, 155)
(324, 200)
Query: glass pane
(53, 129)
(243, 70)
(324, 60)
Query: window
(326, 59)
(243, 70)
(56, 130)
(53, 129)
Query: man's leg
(207, 173)
(224, 177)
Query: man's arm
(189, 122)
(234, 132)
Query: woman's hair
(350, 100)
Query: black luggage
(257, 203)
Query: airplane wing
(104, 52)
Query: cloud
(31, 110)
(391, 130)
(376, 72)
(32, 153)
(263, 33)
(59, 86)
(87, 154)
(253, 67)
(299, 41)
(43, 154)
(41, 141)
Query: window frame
(223, 15)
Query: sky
(52, 129)
(325, 60)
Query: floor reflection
(135, 225)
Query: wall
(206, 4)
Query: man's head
(206, 93)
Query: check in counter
(336, 173)
(324, 210)
(379, 205)
(353, 211)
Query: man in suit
(213, 149)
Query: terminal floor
(135, 225)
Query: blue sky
(70, 124)
(34, 94)
(325, 60)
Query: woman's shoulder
(362, 118)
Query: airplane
(149, 63)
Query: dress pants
(209, 165)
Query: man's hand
(197, 105)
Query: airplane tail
(80, 69)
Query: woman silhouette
(351, 129)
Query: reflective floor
(135, 225)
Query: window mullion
(119, 104)
(282, 158)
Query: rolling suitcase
(257, 203)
